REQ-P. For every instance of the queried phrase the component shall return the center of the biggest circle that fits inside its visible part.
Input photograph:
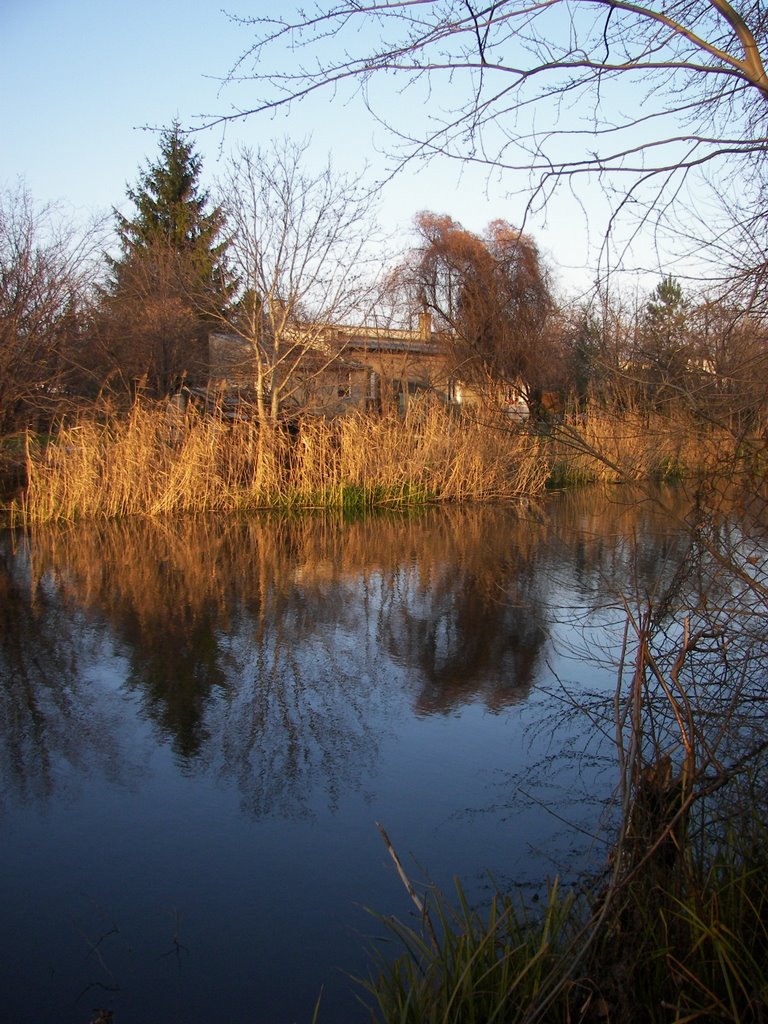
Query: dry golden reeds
(157, 461)
(616, 446)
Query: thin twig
(420, 905)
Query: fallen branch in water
(420, 905)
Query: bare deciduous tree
(639, 94)
(148, 332)
(301, 248)
(678, 351)
(733, 362)
(42, 289)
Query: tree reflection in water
(260, 647)
(52, 724)
(318, 673)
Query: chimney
(425, 326)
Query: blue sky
(82, 80)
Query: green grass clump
(479, 968)
(672, 947)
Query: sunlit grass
(620, 445)
(155, 462)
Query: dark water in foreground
(202, 721)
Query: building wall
(375, 370)
(230, 361)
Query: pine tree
(665, 339)
(170, 281)
(666, 315)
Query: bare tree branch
(301, 246)
(556, 88)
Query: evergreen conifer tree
(170, 281)
(665, 342)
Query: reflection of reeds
(192, 562)
(137, 561)
(459, 591)
(153, 462)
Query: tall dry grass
(430, 454)
(156, 461)
(620, 445)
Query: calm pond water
(203, 720)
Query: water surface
(203, 720)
